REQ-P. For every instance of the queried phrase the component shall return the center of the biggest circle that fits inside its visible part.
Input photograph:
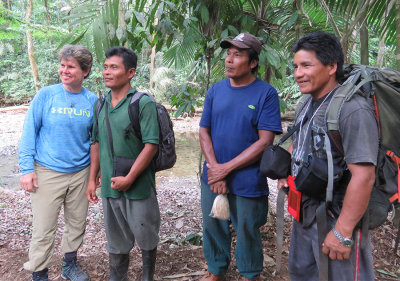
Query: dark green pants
(247, 216)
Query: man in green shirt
(131, 211)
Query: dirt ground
(179, 255)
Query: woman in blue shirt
(54, 156)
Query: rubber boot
(119, 264)
(149, 264)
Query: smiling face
(237, 66)
(312, 76)
(115, 75)
(71, 74)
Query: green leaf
(272, 56)
(387, 273)
(140, 18)
(292, 20)
(224, 33)
(205, 15)
(128, 16)
(233, 29)
(79, 38)
(98, 38)
(120, 33)
(111, 31)
(212, 43)
(160, 10)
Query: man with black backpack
(326, 241)
(131, 211)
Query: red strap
(377, 113)
(396, 159)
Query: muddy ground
(179, 252)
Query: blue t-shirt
(234, 115)
(56, 130)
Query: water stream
(187, 164)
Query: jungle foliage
(177, 42)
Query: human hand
(282, 183)
(98, 180)
(91, 192)
(29, 182)
(334, 249)
(216, 172)
(219, 187)
(120, 183)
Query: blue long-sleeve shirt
(56, 130)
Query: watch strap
(347, 242)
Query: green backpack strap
(345, 93)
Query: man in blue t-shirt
(241, 117)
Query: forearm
(142, 161)
(356, 198)
(250, 155)
(27, 146)
(207, 146)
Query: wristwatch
(347, 242)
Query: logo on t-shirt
(251, 106)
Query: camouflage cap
(243, 41)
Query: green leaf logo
(252, 106)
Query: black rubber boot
(119, 264)
(149, 264)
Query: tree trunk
(397, 35)
(267, 73)
(381, 52)
(382, 45)
(364, 45)
(48, 17)
(364, 39)
(152, 65)
(122, 23)
(299, 27)
(153, 59)
(7, 4)
(34, 68)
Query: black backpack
(166, 155)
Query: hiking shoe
(71, 271)
(42, 275)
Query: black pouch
(275, 162)
(122, 166)
(312, 178)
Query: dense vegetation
(177, 42)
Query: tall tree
(32, 61)
(364, 49)
(398, 35)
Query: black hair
(326, 47)
(128, 56)
(253, 56)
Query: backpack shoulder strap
(99, 106)
(133, 111)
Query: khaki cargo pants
(56, 190)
